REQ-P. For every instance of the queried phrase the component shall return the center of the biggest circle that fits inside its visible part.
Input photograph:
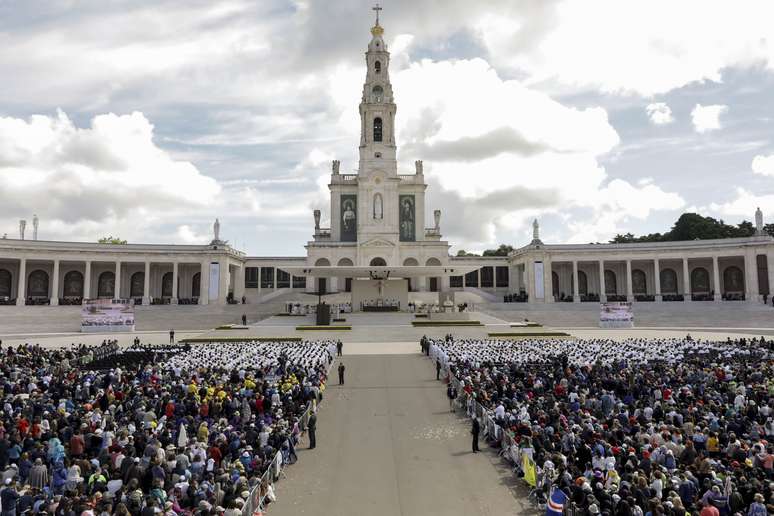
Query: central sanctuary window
(377, 129)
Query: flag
(555, 505)
(528, 465)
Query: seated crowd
(643, 426)
(192, 435)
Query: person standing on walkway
(341, 373)
(171, 336)
(339, 348)
(475, 430)
(451, 393)
(312, 429)
(244, 319)
(437, 368)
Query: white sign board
(540, 291)
(214, 280)
(104, 315)
(616, 315)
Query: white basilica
(380, 246)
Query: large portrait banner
(407, 219)
(349, 218)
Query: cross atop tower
(377, 8)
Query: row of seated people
(520, 297)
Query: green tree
(111, 240)
(503, 250)
(463, 252)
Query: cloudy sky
(147, 119)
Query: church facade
(380, 220)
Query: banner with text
(616, 315)
(214, 280)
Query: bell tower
(377, 109)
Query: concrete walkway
(387, 445)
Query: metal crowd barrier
(257, 500)
(493, 431)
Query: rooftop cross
(377, 8)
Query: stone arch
(733, 280)
(5, 283)
(196, 285)
(583, 284)
(346, 262)
(555, 284)
(322, 262)
(378, 67)
(700, 282)
(639, 282)
(378, 262)
(434, 285)
(378, 93)
(611, 282)
(166, 285)
(37, 284)
(377, 129)
(668, 279)
(106, 285)
(410, 262)
(72, 284)
(137, 284)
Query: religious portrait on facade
(407, 218)
(349, 218)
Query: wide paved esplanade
(380, 242)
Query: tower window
(378, 67)
(377, 129)
(378, 93)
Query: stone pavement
(387, 444)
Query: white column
(175, 266)
(239, 287)
(770, 263)
(21, 295)
(225, 276)
(204, 283)
(686, 281)
(54, 293)
(529, 280)
(657, 280)
(602, 295)
(548, 281)
(87, 281)
(575, 286)
(275, 278)
(629, 286)
(117, 291)
(751, 274)
(146, 293)
(716, 278)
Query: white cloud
(618, 46)
(763, 165)
(659, 113)
(707, 118)
(743, 205)
(87, 181)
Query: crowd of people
(192, 435)
(639, 427)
